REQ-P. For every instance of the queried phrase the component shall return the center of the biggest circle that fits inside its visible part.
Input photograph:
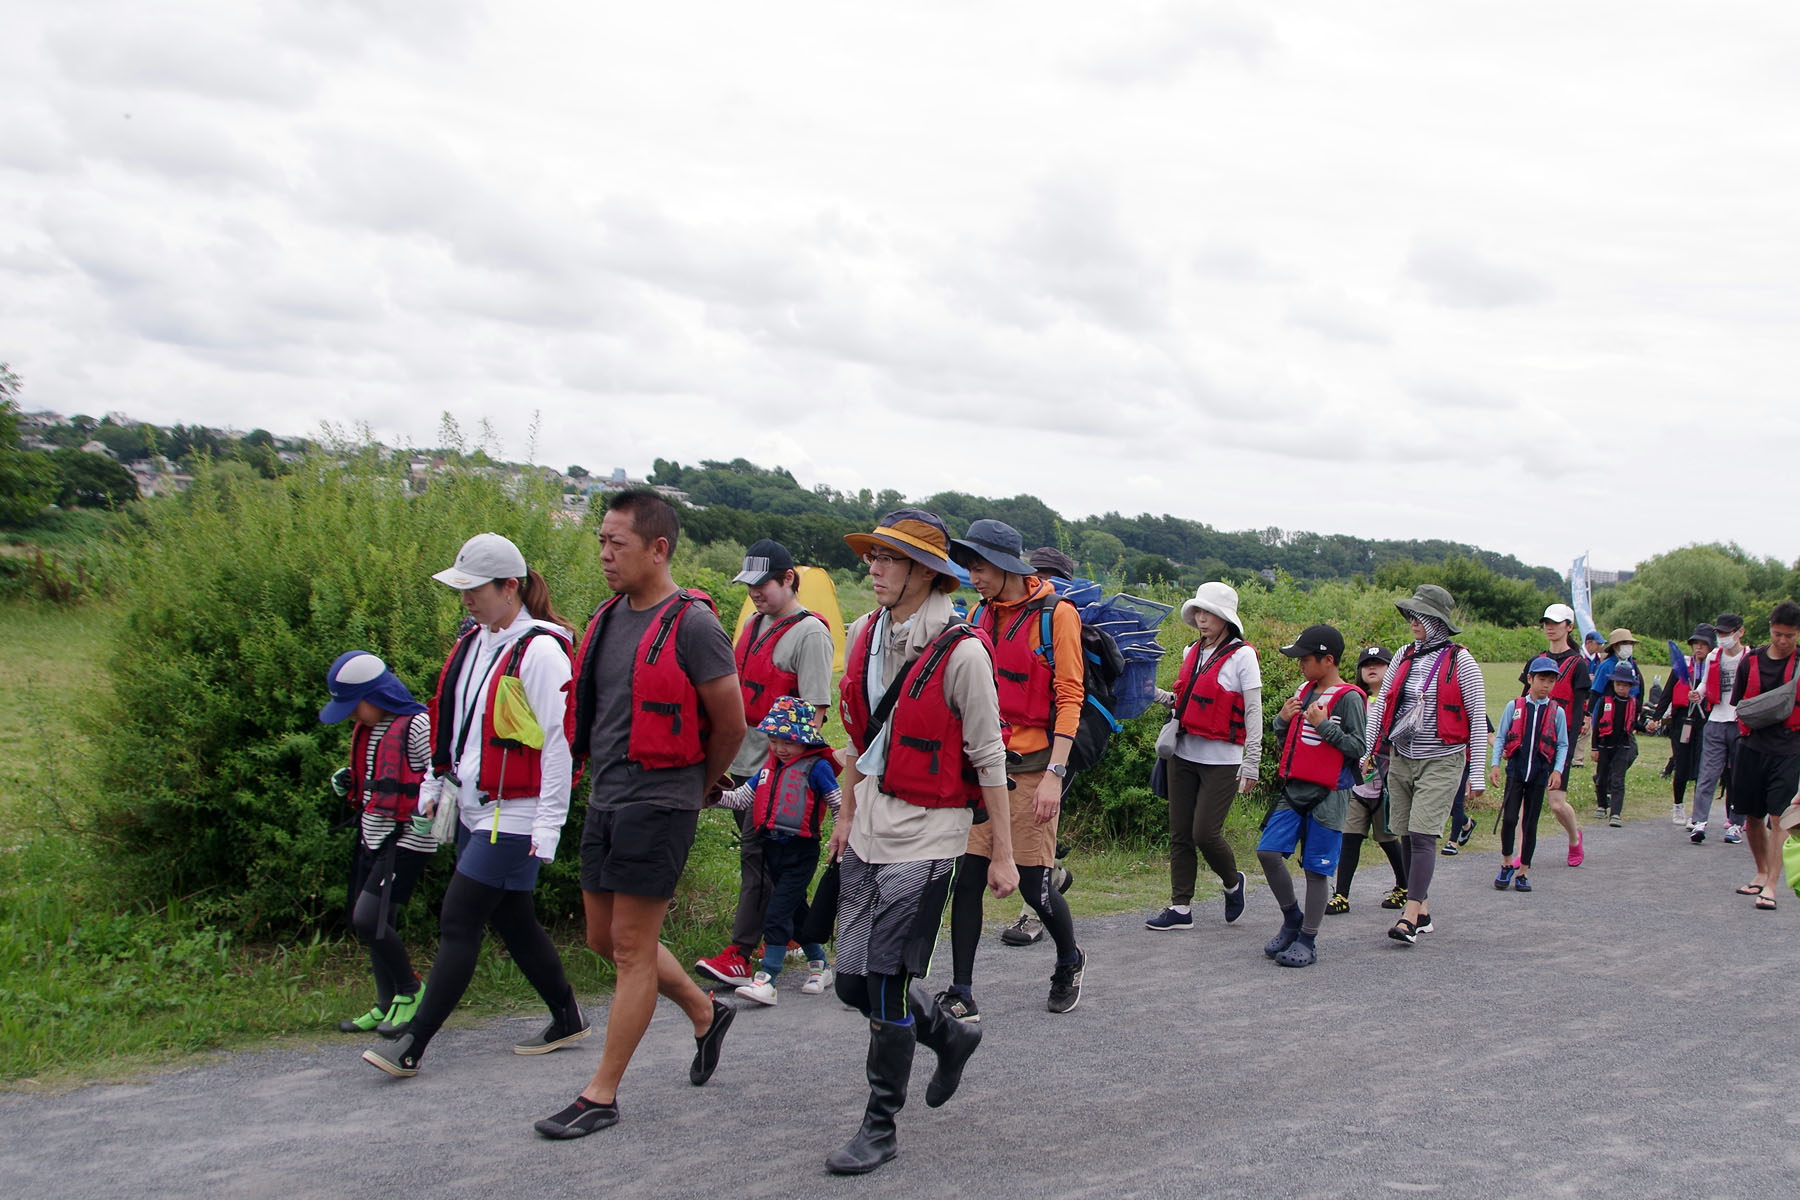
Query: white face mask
(1728, 641)
(1624, 650)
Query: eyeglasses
(881, 560)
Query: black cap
(1728, 623)
(764, 561)
(1380, 654)
(1317, 639)
(1704, 633)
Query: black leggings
(1687, 758)
(965, 914)
(1421, 852)
(1347, 861)
(1526, 799)
(395, 872)
(878, 997)
(468, 906)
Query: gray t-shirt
(703, 651)
(806, 650)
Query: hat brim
(999, 558)
(1303, 651)
(1413, 608)
(462, 581)
(862, 543)
(753, 578)
(337, 710)
(1191, 606)
(1789, 818)
(1365, 659)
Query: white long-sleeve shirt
(545, 674)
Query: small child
(787, 802)
(1616, 721)
(387, 783)
(1321, 732)
(1366, 814)
(1533, 745)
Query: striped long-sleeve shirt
(1421, 687)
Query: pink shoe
(1576, 853)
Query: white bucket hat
(1219, 599)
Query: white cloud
(1461, 276)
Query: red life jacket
(763, 682)
(926, 763)
(517, 770)
(785, 801)
(1022, 674)
(394, 787)
(853, 690)
(1307, 757)
(1203, 707)
(1609, 707)
(1753, 686)
(1543, 744)
(669, 726)
(1452, 714)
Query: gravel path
(1626, 1029)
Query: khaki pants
(1034, 845)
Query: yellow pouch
(1790, 858)
(513, 718)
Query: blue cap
(357, 675)
(1543, 664)
(1624, 673)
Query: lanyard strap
(468, 717)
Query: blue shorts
(507, 864)
(1287, 830)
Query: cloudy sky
(1235, 262)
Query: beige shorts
(1421, 792)
(1360, 822)
(1034, 845)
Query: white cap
(1559, 612)
(483, 559)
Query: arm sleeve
(1253, 714)
(1746, 665)
(813, 664)
(1507, 716)
(969, 688)
(825, 782)
(1344, 728)
(418, 742)
(1562, 739)
(1473, 685)
(703, 647)
(545, 673)
(738, 799)
(1069, 685)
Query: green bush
(241, 593)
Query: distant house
(42, 420)
(618, 481)
(97, 447)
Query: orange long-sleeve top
(1069, 685)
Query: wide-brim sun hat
(483, 559)
(918, 535)
(357, 675)
(995, 541)
(1620, 637)
(793, 720)
(1219, 599)
(1431, 600)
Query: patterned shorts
(889, 913)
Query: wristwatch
(1058, 770)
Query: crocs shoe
(1577, 852)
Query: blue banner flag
(1678, 663)
(1581, 597)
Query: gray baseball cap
(483, 559)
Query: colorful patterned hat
(792, 720)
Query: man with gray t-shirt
(659, 715)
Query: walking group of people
(960, 731)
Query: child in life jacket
(1532, 749)
(387, 784)
(787, 801)
(1616, 722)
(1320, 730)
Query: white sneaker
(1680, 814)
(761, 988)
(818, 978)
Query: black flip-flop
(1765, 904)
(1751, 889)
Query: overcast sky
(1227, 261)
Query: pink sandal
(1576, 853)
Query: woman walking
(501, 747)
(1218, 751)
(1430, 718)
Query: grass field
(98, 984)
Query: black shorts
(638, 849)
(1762, 784)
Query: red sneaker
(728, 966)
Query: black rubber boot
(953, 1041)
(890, 1070)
